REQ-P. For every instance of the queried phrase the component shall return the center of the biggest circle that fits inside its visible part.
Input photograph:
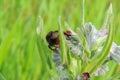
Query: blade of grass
(62, 43)
(2, 77)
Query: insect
(53, 40)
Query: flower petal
(93, 34)
(115, 53)
(57, 59)
(101, 71)
(74, 45)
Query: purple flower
(115, 53)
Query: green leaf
(44, 53)
(83, 42)
(65, 54)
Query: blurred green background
(19, 58)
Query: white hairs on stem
(39, 28)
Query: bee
(53, 40)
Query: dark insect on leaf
(53, 40)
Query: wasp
(53, 39)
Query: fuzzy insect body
(53, 40)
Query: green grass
(19, 54)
